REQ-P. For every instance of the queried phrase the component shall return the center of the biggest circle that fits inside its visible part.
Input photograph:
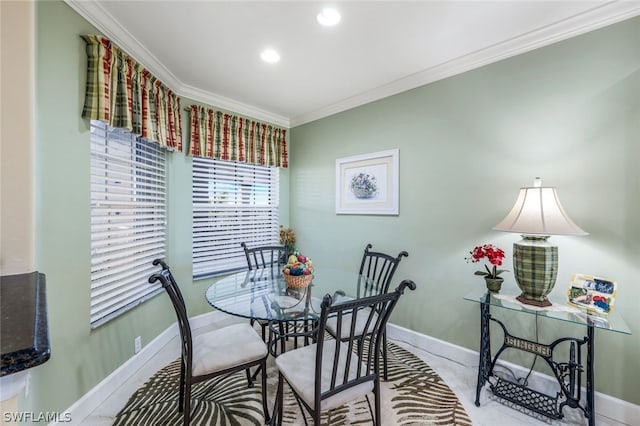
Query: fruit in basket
(298, 264)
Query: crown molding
(96, 15)
(600, 16)
(233, 105)
(593, 19)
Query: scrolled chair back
(264, 256)
(379, 268)
(173, 291)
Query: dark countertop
(24, 329)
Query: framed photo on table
(368, 184)
(595, 294)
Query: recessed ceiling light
(270, 55)
(328, 17)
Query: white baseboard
(615, 409)
(83, 407)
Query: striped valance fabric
(223, 136)
(123, 94)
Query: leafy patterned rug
(413, 395)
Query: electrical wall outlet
(137, 344)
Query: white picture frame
(368, 184)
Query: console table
(568, 372)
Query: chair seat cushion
(226, 348)
(298, 367)
(345, 330)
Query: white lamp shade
(538, 212)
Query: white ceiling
(209, 51)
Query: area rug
(413, 395)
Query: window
(128, 220)
(232, 203)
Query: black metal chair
(264, 257)
(379, 269)
(344, 370)
(216, 353)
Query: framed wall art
(368, 184)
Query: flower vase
(494, 284)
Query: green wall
(569, 113)
(81, 358)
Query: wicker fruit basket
(298, 281)
(298, 270)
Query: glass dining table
(263, 295)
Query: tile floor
(460, 378)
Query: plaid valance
(222, 136)
(123, 94)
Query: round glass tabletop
(263, 294)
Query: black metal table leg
(485, 348)
(591, 412)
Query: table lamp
(537, 214)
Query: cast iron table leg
(590, 382)
(485, 348)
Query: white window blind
(128, 220)
(232, 203)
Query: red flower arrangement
(493, 254)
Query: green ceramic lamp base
(535, 267)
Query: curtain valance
(223, 136)
(124, 94)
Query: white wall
(17, 138)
